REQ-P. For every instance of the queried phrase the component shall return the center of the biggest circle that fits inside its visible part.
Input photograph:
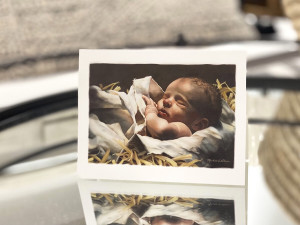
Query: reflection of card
(111, 202)
(156, 115)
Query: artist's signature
(220, 204)
(218, 160)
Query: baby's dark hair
(207, 101)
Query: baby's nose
(167, 102)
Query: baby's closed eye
(180, 102)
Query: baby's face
(175, 105)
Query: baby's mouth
(162, 113)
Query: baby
(188, 105)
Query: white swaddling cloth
(121, 117)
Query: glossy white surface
(20, 91)
(43, 197)
(51, 197)
(263, 207)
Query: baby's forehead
(182, 85)
(185, 86)
(179, 83)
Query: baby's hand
(150, 106)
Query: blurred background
(40, 42)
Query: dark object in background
(263, 7)
(264, 10)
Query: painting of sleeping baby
(190, 123)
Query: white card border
(215, 176)
(86, 187)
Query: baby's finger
(153, 102)
(147, 100)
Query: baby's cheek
(180, 111)
(179, 115)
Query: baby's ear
(200, 124)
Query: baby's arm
(160, 128)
